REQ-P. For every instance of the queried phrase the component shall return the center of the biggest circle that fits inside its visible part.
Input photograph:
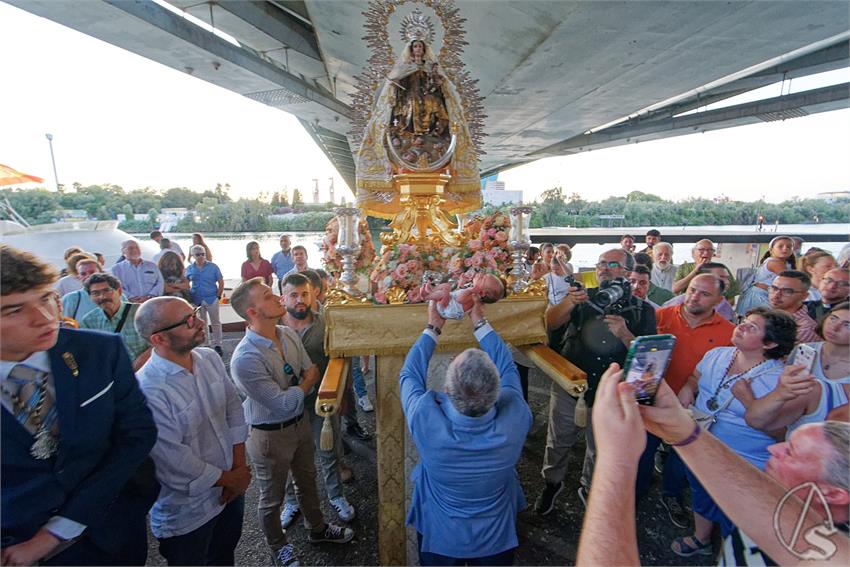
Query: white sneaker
(288, 514)
(365, 404)
(344, 510)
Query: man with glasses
(787, 293)
(703, 253)
(834, 288)
(273, 371)
(207, 286)
(114, 315)
(141, 279)
(75, 433)
(592, 341)
(77, 303)
(200, 447)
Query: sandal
(690, 545)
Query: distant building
(494, 193)
(834, 196)
(72, 215)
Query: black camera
(572, 281)
(612, 297)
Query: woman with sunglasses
(715, 389)
(807, 396)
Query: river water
(228, 249)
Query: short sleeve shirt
(204, 282)
(590, 345)
(691, 343)
(96, 319)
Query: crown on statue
(415, 26)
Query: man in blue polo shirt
(282, 262)
(207, 287)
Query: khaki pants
(562, 435)
(212, 310)
(274, 454)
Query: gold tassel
(326, 441)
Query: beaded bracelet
(690, 438)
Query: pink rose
(401, 271)
(412, 264)
(501, 236)
(474, 245)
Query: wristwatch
(433, 328)
(480, 323)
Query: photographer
(591, 328)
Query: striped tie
(31, 400)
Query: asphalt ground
(549, 540)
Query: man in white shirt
(663, 270)
(140, 279)
(200, 447)
(157, 237)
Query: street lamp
(53, 159)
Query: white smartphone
(805, 355)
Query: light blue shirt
(282, 263)
(141, 280)
(204, 282)
(271, 394)
(466, 493)
(731, 427)
(61, 527)
(78, 303)
(199, 419)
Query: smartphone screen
(646, 363)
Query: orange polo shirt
(691, 343)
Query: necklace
(45, 444)
(727, 383)
(826, 364)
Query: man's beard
(662, 265)
(182, 347)
(300, 315)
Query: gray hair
(666, 245)
(128, 242)
(472, 382)
(197, 248)
(837, 467)
(149, 316)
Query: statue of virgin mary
(417, 124)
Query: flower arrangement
(397, 276)
(332, 259)
(487, 245)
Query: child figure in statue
(455, 304)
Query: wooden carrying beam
(566, 374)
(333, 384)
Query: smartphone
(646, 363)
(805, 355)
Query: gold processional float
(417, 135)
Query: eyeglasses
(200, 254)
(839, 283)
(99, 292)
(786, 291)
(611, 265)
(705, 249)
(189, 321)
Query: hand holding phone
(646, 363)
(805, 356)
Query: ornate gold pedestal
(423, 200)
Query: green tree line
(644, 209)
(216, 211)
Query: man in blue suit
(466, 492)
(75, 432)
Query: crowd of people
(114, 408)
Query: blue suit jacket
(105, 432)
(466, 493)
